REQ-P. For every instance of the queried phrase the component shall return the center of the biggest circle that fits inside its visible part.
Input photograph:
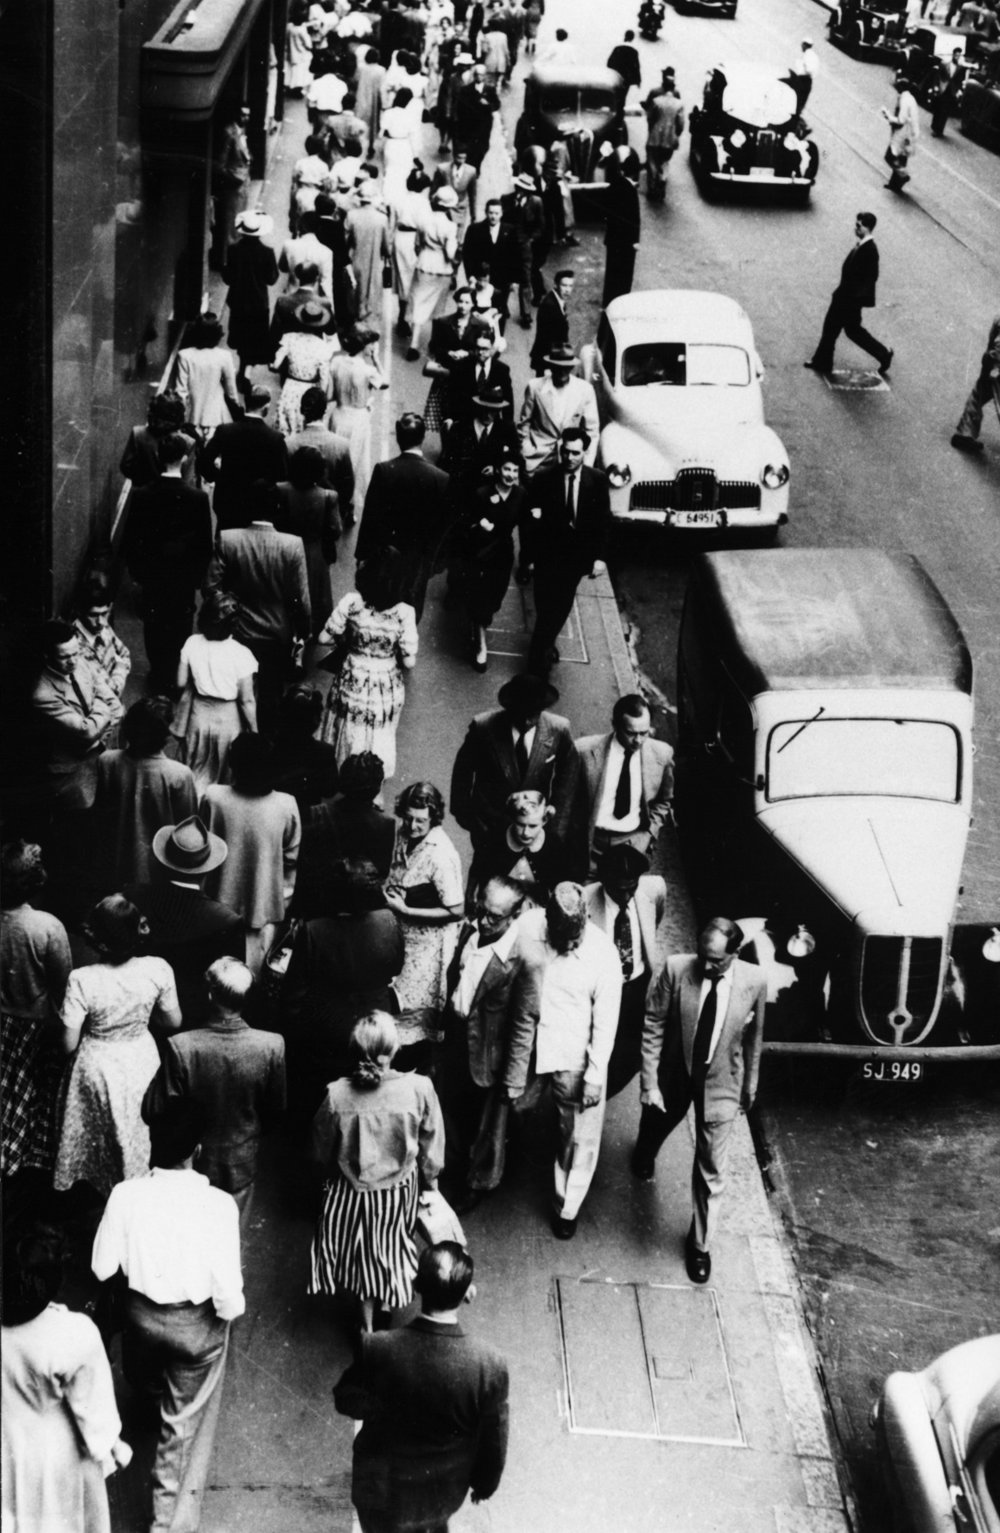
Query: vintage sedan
(683, 438)
(725, 8)
(869, 29)
(581, 105)
(938, 1436)
(927, 49)
(748, 133)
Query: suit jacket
(672, 1008)
(486, 1029)
(656, 770)
(463, 386)
(551, 329)
(469, 454)
(485, 773)
(406, 506)
(168, 536)
(624, 60)
(235, 457)
(433, 1403)
(621, 212)
(70, 735)
(650, 901)
(336, 452)
(500, 255)
(548, 540)
(266, 572)
(190, 931)
(546, 413)
(339, 827)
(859, 274)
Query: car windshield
(563, 99)
(895, 758)
(685, 365)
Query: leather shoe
(642, 1170)
(814, 367)
(413, 355)
(698, 1263)
(884, 369)
(563, 1229)
(966, 443)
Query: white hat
(254, 222)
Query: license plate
(895, 1072)
(762, 170)
(695, 519)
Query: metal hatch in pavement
(646, 1360)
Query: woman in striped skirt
(380, 1137)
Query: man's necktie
(571, 499)
(521, 757)
(480, 375)
(623, 792)
(704, 1031)
(623, 941)
(79, 693)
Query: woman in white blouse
(217, 702)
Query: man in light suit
(486, 979)
(552, 404)
(406, 507)
(855, 291)
(74, 706)
(518, 745)
(433, 1407)
(701, 1047)
(626, 782)
(265, 570)
(628, 905)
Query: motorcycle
(651, 13)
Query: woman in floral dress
(378, 637)
(425, 890)
(106, 1014)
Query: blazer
(621, 212)
(190, 931)
(551, 329)
(463, 385)
(433, 1403)
(650, 907)
(548, 540)
(485, 773)
(70, 736)
(406, 506)
(546, 413)
(336, 452)
(500, 255)
(469, 455)
(487, 1027)
(235, 457)
(266, 572)
(168, 536)
(656, 771)
(859, 274)
(672, 1008)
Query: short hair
(373, 56)
(378, 580)
(578, 433)
(316, 144)
(217, 617)
(251, 764)
(306, 273)
(564, 275)
(325, 206)
(307, 222)
(632, 706)
(728, 929)
(463, 292)
(261, 501)
(165, 411)
(230, 982)
(566, 916)
(353, 886)
(22, 873)
(175, 1133)
(306, 468)
(525, 799)
(361, 775)
(868, 220)
(172, 448)
(313, 403)
(444, 1275)
(421, 795)
(403, 96)
(300, 711)
(94, 590)
(32, 1273)
(146, 726)
(506, 886)
(116, 928)
(410, 430)
(259, 398)
(561, 34)
(629, 36)
(56, 632)
(494, 202)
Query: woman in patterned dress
(378, 636)
(106, 1016)
(303, 359)
(424, 888)
(377, 1135)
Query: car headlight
(772, 478)
(619, 475)
(991, 947)
(802, 944)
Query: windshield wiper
(804, 725)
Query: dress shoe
(968, 444)
(563, 1229)
(814, 366)
(642, 1170)
(525, 321)
(479, 665)
(413, 355)
(884, 369)
(698, 1263)
(571, 239)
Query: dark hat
(313, 314)
(189, 847)
(526, 692)
(491, 398)
(560, 356)
(623, 861)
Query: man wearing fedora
(187, 928)
(240, 453)
(518, 745)
(251, 270)
(478, 441)
(525, 213)
(477, 374)
(628, 904)
(564, 538)
(552, 404)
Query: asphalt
(638, 1402)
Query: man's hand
(591, 1096)
(746, 1102)
(600, 568)
(653, 1098)
(513, 1094)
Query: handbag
(274, 972)
(438, 1221)
(421, 896)
(335, 659)
(387, 272)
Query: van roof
(832, 617)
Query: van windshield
(894, 758)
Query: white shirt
(807, 63)
(216, 667)
(326, 93)
(612, 771)
(177, 1240)
(474, 962)
(633, 920)
(580, 1000)
(723, 991)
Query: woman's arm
(246, 702)
(73, 1014)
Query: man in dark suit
(552, 320)
(624, 60)
(480, 440)
(349, 825)
(563, 538)
(626, 782)
(187, 928)
(701, 1046)
(490, 243)
(471, 378)
(475, 105)
(167, 546)
(406, 508)
(628, 905)
(524, 211)
(948, 81)
(518, 745)
(265, 570)
(482, 978)
(240, 453)
(622, 225)
(854, 292)
(336, 449)
(433, 1407)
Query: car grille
(694, 490)
(764, 147)
(901, 980)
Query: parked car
(938, 1436)
(926, 49)
(748, 133)
(706, 8)
(869, 29)
(582, 105)
(683, 439)
(823, 796)
(980, 113)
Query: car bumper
(700, 521)
(761, 178)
